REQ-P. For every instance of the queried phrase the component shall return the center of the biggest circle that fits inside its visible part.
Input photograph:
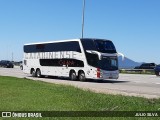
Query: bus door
(64, 70)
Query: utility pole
(12, 56)
(83, 17)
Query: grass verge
(27, 95)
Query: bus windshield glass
(108, 63)
(105, 46)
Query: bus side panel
(28, 64)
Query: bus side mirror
(121, 54)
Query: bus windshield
(93, 49)
(105, 46)
(108, 63)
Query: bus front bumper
(109, 75)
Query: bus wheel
(73, 76)
(38, 73)
(157, 73)
(33, 73)
(81, 76)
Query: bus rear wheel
(38, 73)
(33, 73)
(73, 76)
(81, 76)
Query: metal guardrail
(138, 71)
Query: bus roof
(55, 41)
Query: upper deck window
(88, 44)
(53, 47)
(105, 46)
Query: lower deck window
(62, 62)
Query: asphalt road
(128, 84)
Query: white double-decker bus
(77, 59)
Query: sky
(132, 25)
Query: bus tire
(33, 73)
(157, 73)
(38, 73)
(73, 75)
(81, 76)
